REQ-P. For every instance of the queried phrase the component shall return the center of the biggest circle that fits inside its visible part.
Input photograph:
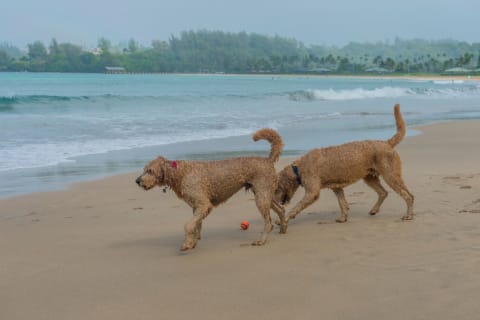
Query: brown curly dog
(339, 166)
(206, 184)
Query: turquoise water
(60, 128)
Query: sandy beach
(109, 250)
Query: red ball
(244, 225)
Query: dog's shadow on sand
(160, 242)
(170, 243)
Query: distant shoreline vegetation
(243, 53)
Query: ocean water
(56, 129)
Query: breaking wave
(384, 92)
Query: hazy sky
(327, 22)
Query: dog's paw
(405, 218)
(258, 243)
(283, 228)
(341, 220)
(188, 245)
(290, 217)
(185, 248)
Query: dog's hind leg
(374, 183)
(194, 226)
(397, 184)
(342, 202)
(392, 174)
(264, 202)
(280, 211)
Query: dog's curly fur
(205, 184)
(339, 166)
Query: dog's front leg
(194, 226)
(310, 197)
(342, 202)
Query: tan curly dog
(205, 184)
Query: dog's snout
(139, 180)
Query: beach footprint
(471, 208)
(462, 182)
(469, 211)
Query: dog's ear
(156, 167)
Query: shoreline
(473, 78)
(376, 76)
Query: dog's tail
(397, 137)
(275, 140)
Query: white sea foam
(35, 155)
(360, 93)
(448, 81)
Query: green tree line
(221, 52)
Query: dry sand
(108, 250)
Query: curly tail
(397, 137)
(275, 140)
